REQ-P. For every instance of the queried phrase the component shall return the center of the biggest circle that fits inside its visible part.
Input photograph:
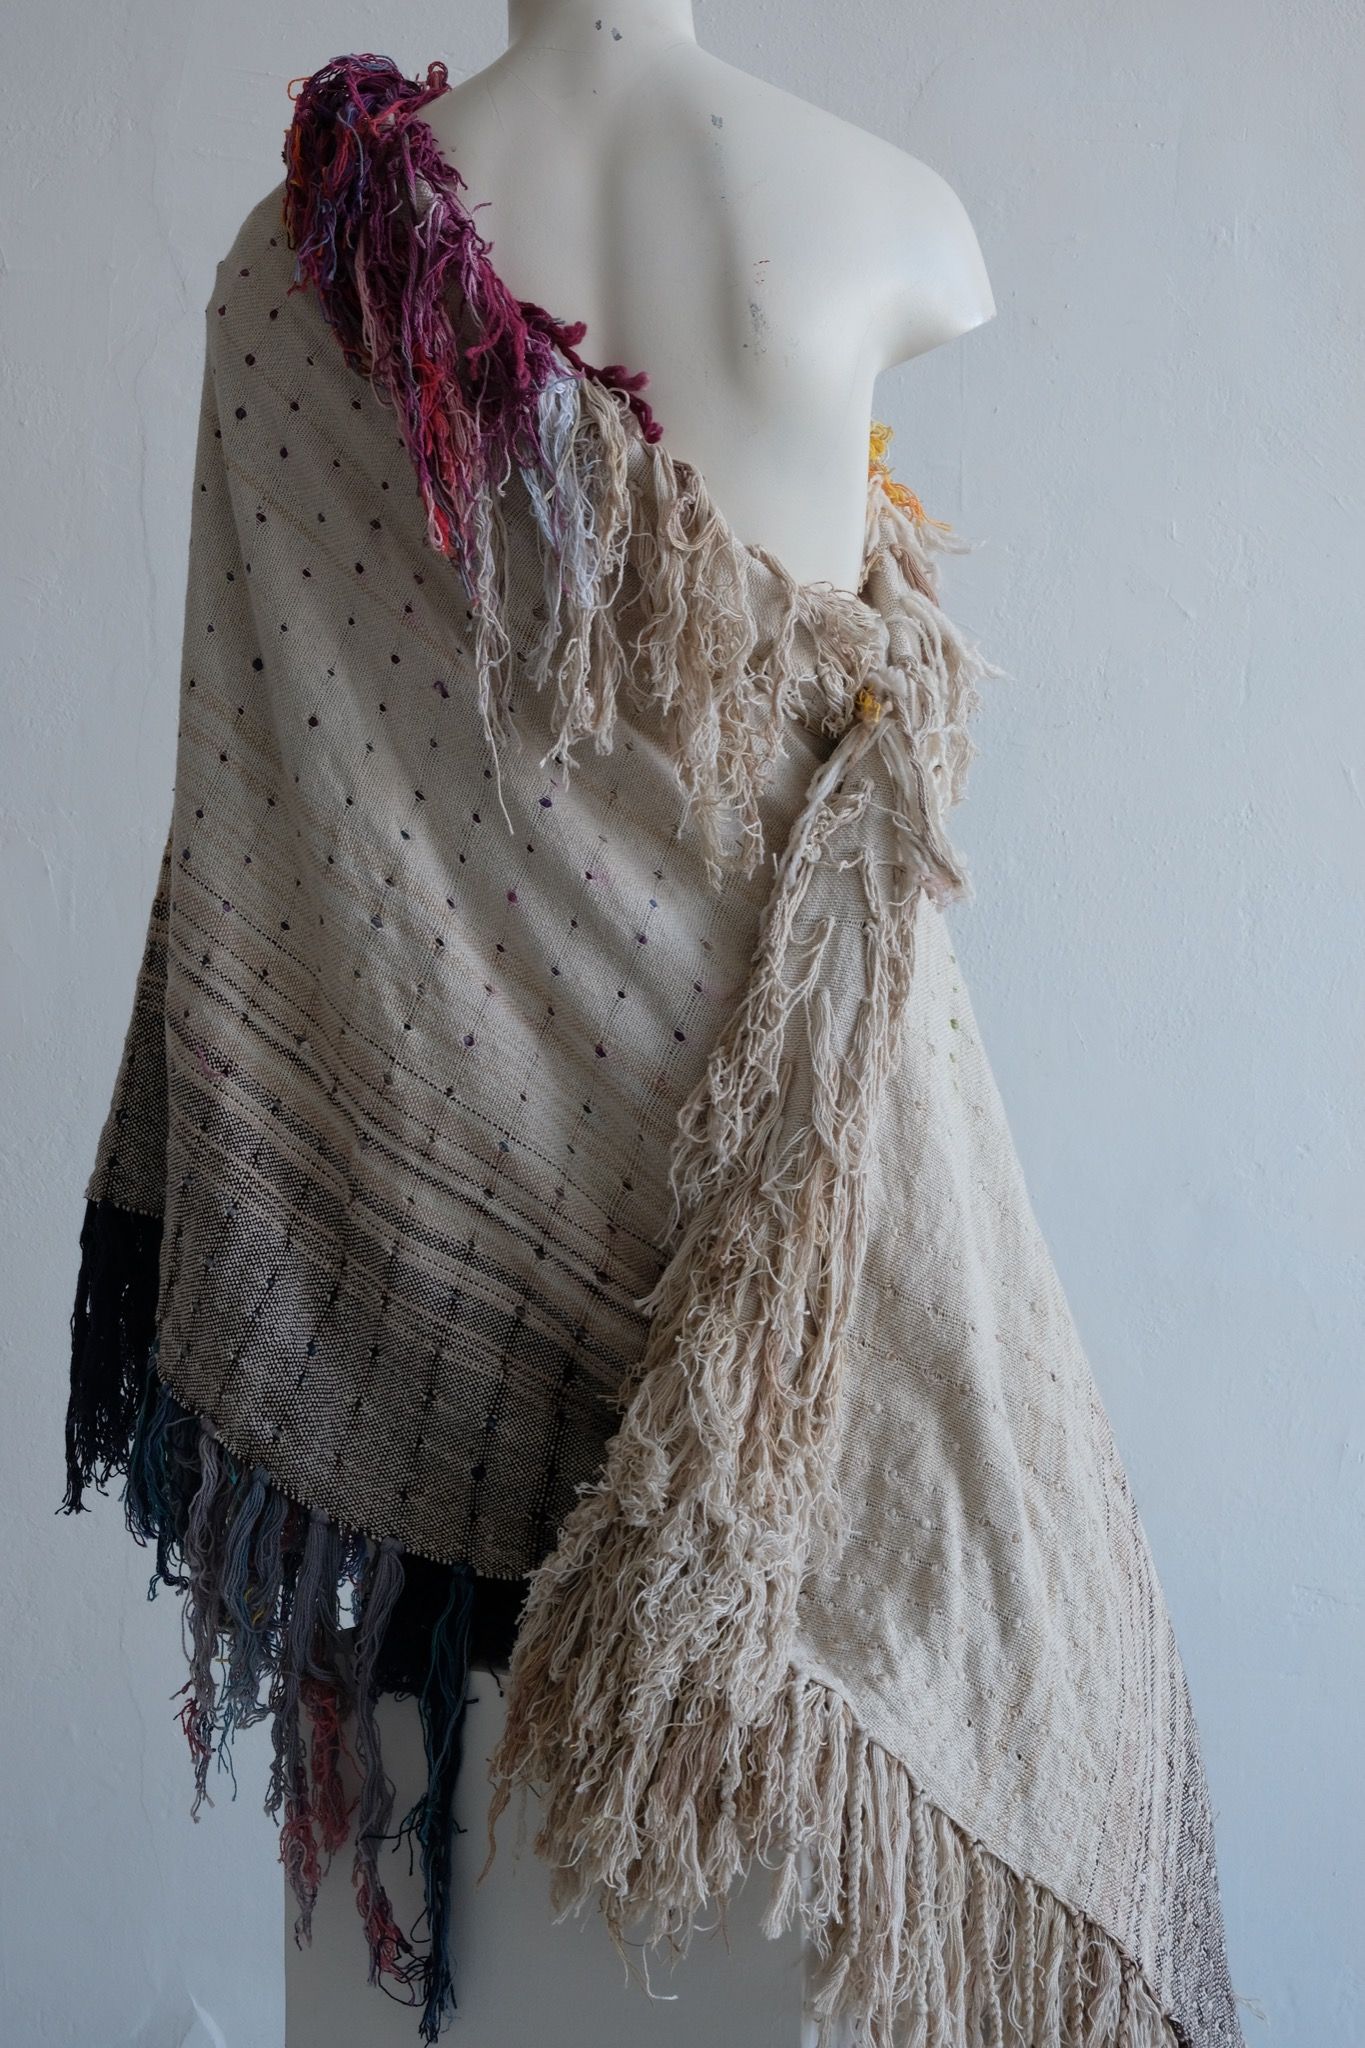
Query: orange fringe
(879, 440)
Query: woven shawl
(555, 1207)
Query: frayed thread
(919, 1937)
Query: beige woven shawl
(530, 1048)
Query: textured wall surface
(1156, 449)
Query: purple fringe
(373, 213)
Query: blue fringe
(443, 1702)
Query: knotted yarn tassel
(201, 1617)
(161, 1465)
(247, 1616)
(310, 1592)
(326, 1705)
(298, 1837)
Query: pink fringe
(382, 257)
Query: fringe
(653, 1703)
(262, 1580)
(113, 1323)
(922, 1937)
(374, 216)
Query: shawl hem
(922, 1934)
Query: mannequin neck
(570, 23)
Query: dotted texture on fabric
(416, 1074)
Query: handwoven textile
(555, 1206)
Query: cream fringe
(651, 1697)
(922, 1938)
(651, 596)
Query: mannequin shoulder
(935, 276)
(903, 227)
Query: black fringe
(262, 1578)
(113, 1326)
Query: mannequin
(764, 261)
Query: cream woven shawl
(859, 1587)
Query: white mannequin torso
(763, 260)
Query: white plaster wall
(1157, 448)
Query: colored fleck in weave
(553, 1161)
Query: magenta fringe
(405, 280)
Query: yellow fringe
(900, 494)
